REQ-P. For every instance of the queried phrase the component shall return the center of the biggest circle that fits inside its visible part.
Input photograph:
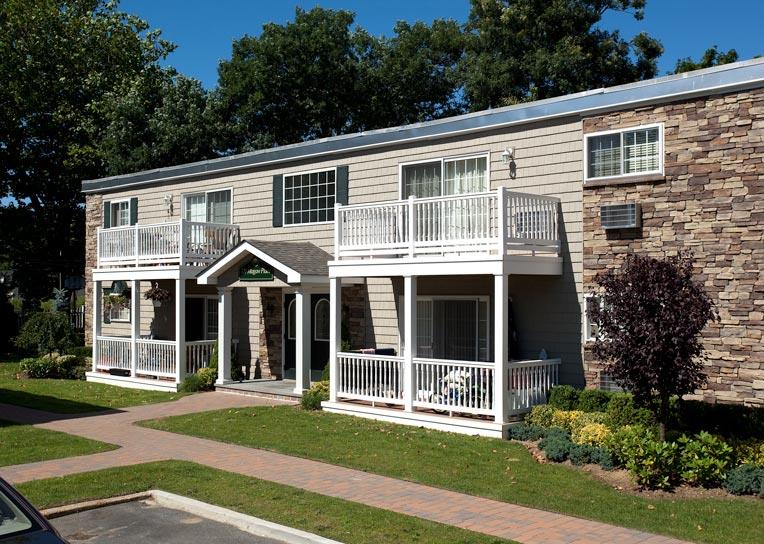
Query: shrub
(39, 368)
(207, 377)
(580, 454)
(541, 416)
(191, 384)
(566, 419)
(46, 332)
(525, 432)
(311, 399)
(70, 367)
(325, 373)
(750, 452)
(655, 464)
(594, 434)
(556, 446)
(728, 420)
(745, 480)
(593, 400)
(563, 397)
(705, 459)
(621, 411)
(625, 440)
(602, 457)
(80, 351)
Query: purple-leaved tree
(650, 320)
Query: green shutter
(342, 185)
(133, 210)
(278, 200)
(106, 214)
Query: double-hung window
(445, 177)
(208, 207)
(625, 152)
(309, 197)
(120, 213)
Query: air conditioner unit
(621, 216)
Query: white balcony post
(337, 231)
(501, 213)
(98, 247)
(136, 245)
(182, 242)
(412, 226)
(501, 347)
(225, 324)
(180, 330)
(135, 324)
(302, 347)
(97, 318)
(409, 335)
(335, 333)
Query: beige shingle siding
(548, 158)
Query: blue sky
(205, 29)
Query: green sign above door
(255, 272)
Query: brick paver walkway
(140, 445)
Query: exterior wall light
(507, 155)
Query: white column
(180, 330)
(135, 324)
(225, 324)
(335, 333)
(409, 336)
(302, 345)
(97, 318)
(501, 347)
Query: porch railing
(156, 358)
(199, 352)
(373, 378)
(444, 386)
(495, 223)
(176, 242)
(113, 353)
(454, 386)
(529, 383)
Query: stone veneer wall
(712, 203)
(93, 220)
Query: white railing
(156, 358)
(182, 242)
(454, 386)
(374, 378)
(199, 352)
(112, 353)
(529, 383)
(489, 223)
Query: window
(624, 153)
(212, 318)
(116, 306)
(208, 207)
(14, 522)
(321, 320)
(445, 177)
(453, 328)
(120, 213)
(292, 320)
(591, 329)
(309, 197)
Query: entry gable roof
(298, 262)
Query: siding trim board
(726, 78)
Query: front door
(319, 335)
(195, 319)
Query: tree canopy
(711, 57)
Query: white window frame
(588, 337)
(661, 152)
(443, 161)
(477, 298)
(208, 299)
(111, 212)
(205, 193)
(283, 196)
(292, 303)
(315, 320)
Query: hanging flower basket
(157, 295)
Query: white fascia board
(210, 275)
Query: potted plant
(157, 295)
(114, 301)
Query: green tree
(711, 57)
(59, 59)
(319, 76)
(519, 50)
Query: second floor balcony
(493, 223)
(180, 242)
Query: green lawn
(71, 396)
(480, 466)
(329, 517)
(27, 444)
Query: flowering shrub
(541, 416)
(566, 419)
(593, 434)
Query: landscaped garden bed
(592, 427)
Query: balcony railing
(177, 242)
(444, 386)
(493, 223)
